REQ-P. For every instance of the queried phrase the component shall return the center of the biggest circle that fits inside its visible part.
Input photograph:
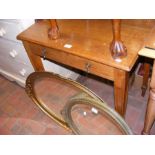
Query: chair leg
(145, 78)
(53, 32)
(117, 48)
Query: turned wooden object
(53, 32)
(117, 48)
(150, 112)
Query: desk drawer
(13, 51)
(10, 30)
(15, 68)
(74, 61)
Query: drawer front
(14, 51)
(74, 61)
(10, 30)
(15, 68)
(49, 66)
(10, 20)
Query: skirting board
(21, 82)
(12, 77)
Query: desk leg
(121, 91)
(150, 112)
(34, 59)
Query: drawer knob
(43, 53)
(2, 32)
(87, 67)
(13, 53)
(22, 72)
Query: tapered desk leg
(35, 60)
(150, 112)
(121, 91)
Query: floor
(19, 115)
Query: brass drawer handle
(87, 67)
(43, 53)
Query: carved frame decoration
(87, 96)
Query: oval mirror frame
(29, 88)
(117, 119)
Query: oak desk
(89, 51)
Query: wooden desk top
(91, 39)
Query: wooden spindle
(150, 111)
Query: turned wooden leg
(121, 91)
(118, 50)
(145, 78)
(53, 32)
(35, 60)
(150, 112)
